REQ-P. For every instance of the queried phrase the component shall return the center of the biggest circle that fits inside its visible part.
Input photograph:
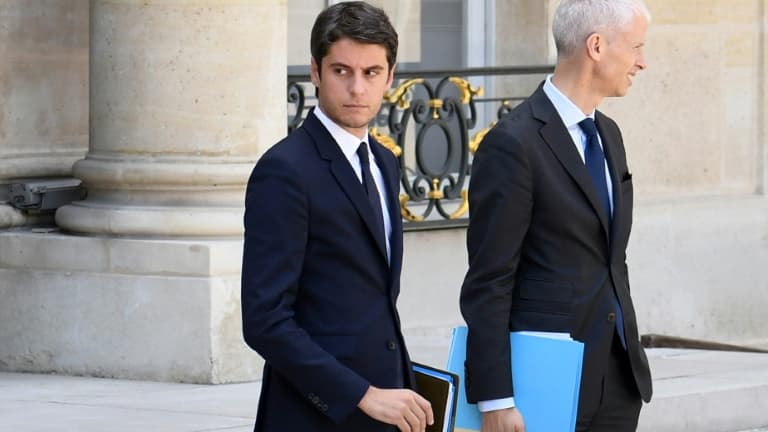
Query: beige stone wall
(161, 310)
(692, 123)
(43, 91)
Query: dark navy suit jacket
(542, 256)
(318, 295)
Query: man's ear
(391, 76)
(314, 72)
(595, 45)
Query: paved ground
(701, 391)
(707, 391)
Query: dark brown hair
(355, 20)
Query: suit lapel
(345, 176)
(389, 172)
(610, 143)
(559, 140)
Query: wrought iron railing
(433, 121)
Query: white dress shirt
(349, 145)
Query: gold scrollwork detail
(463, 208)
(405, 212)
(435, 104)
(386, 141)
(402, 95)
(435, 193)
(474, 142)
(467, 91)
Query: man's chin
(621, 92)
(355, 123)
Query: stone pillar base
(15, 166)
(151, 221)
(160, 310)
(11, 217)
(159, 196)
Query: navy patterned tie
(370, 187)
(594, 159)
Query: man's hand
(503, 420)
(403, 408)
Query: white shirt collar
(571, 115)
(568, 111)
(348, 142)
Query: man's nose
(641, 63)
(356, 84)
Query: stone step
(702, 391)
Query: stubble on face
(355, 76)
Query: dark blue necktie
(370, 187)
(594, 159)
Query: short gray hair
(575, 20)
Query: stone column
(184, 97)
(43, 93)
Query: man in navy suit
(323, 249)
(551, 212)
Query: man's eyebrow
(346, 66)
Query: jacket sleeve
(500, 203)
(276, 233)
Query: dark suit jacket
(541, 256)
(318, 297)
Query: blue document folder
(546, 372)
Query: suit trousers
(617, 407)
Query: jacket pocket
(626, 186)
(543, 296)
(537, 289)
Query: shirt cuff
(496, 404)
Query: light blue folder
(546, 372)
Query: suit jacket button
(391, 345)
(611, 317)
